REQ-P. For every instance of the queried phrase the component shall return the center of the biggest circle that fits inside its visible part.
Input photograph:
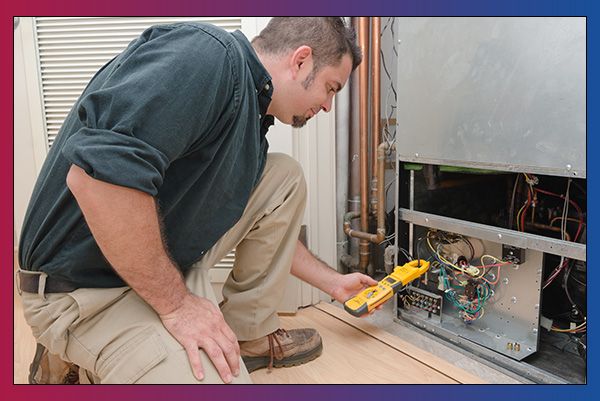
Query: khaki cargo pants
(115, 337)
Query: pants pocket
(94, 300)
(128, 361)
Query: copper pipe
(364, 235)
(547, 227)
(354, 159)
(363, 74)
(375, 109)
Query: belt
(30, 282)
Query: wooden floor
(357, 352)
(353, 352)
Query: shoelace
(272, 340)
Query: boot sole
(260, 362)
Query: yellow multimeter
(372, 297)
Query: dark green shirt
(180, 115)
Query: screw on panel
(514, 300)
(535, 331)
(569, 167)
(505, 281)
(499, 236)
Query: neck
(272, 65)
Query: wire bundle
(455, 278)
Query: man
(160, 169)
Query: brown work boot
(48, 368)
(281, 349)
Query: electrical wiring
(498, 264)
(570, 202)
(387, 136)
(526, 206)
(578, 329)
(566, 287)
(563, 262)
(470, 310)
(455, 278)
(512, 202)
(389, 186)
(562, 218)
(531, 201)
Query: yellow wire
(444, 259)
(519, 228)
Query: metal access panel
(510, 324)
(499, 93)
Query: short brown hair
(328, 37)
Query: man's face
(314, 91)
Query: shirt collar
(262, 79)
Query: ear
(300, 60)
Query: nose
(326, 107)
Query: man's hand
(348, 285)
(341, 287)
(125, 224)
(197, 323)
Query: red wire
(555, 273)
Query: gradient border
(9, 391)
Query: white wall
(25, 169)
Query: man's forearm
(312, 270)
(125, 225)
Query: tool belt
(29, 281)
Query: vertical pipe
(354, 157)
(342, 147)
(363, 72)
(375, 110)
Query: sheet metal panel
(499, 93)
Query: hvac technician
(159, 170)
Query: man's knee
(286, 169)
